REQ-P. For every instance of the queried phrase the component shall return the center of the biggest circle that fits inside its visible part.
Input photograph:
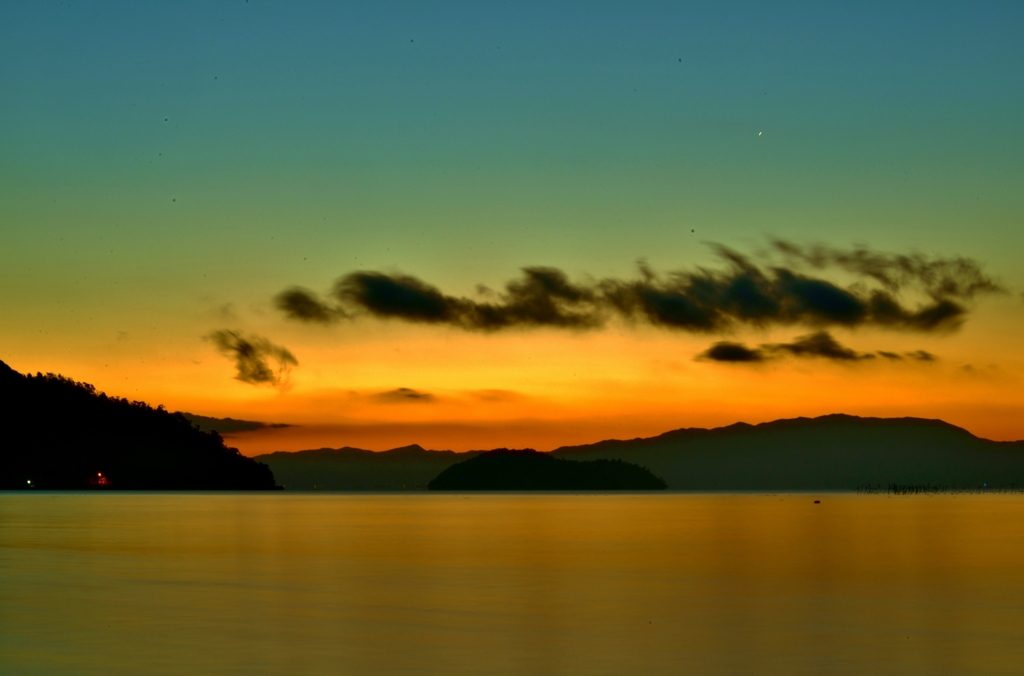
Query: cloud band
(700, 301)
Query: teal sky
(584, 135)
(159, 161)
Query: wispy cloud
(405, 395)
(253, 356)
(820, 345)
(956, 277)
(916, 355)
(229, 425)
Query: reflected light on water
(510, 584)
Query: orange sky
(544, 389)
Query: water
(107, 583)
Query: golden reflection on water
(511, 584)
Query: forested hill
(833, 452)
(528, 470)
(62, 434)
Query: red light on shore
(100, 480)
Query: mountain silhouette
(528, 470)
(832, 452)
(356, 469)
(62, 434)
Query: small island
(530, 470)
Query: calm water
(510, 584)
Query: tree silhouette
(63, 434)
(523, 470)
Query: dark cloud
(541, 297)
(229, 425)
(937, 316)
(253, 355)
(736, 353)
(405, 394)
(820, 344)
(303, 305)
(744, 293)
(399, 296)
(708, 301)
(921, 355)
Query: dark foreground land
(528, 470)
(61, 434)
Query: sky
(473, 225)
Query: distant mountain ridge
(789, 423)
(831, 452)
(356, 469)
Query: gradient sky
(168, 169)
